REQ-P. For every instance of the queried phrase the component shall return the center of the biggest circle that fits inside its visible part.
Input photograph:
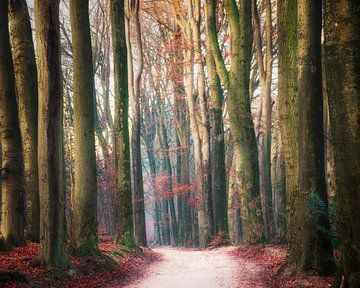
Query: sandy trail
(181, 268)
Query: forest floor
(18, 268)
(245, 266)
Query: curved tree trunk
(11, 173)
(26, 84)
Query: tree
(85, 192)
(342, 54)
(26, 85)
(218, 173)
(264, 64)
(11, 173)
(124, 213)
(134, 86)
(288, 113)
(50, 136)
(314, 240)
(236, 81)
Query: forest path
(186, 268)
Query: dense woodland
(183, 123)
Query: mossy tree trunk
(124, 214)
(50, 136)
(85, 193)
(236, 81)
(288, 114)
(218, 142)
(26, 84)
(342, 64)
(11, 172)
(315, 249)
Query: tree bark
(26, 84)
(50, 136)
(11, 172)
(342, 54)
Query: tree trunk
(26, 83)
(85, 192)
(138, 189)
(124, 213)
(218, 151)
(342, 54)
(50, 136)
(11, 172)
(315, 251)
(288, 113)
(264, 64)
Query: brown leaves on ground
(18, 267)
(272, 258)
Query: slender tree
(135, 80)
(11, 172)
(124, 213)
(50, 136)
(264, 65)
(342, 54)
(85, 193)
(26, 84)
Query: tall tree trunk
(342, 54)
(11, 172)
(241, 123)
(85, 192)
(124, 213)
(218, 143)
(138, 189)
(315, 251)
(50, 136)
(26, 84)
(264, 63)
(288, 113)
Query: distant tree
(27, 95)
(85, 193)
(50, 136)
(11, 173)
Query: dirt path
(181, 268)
